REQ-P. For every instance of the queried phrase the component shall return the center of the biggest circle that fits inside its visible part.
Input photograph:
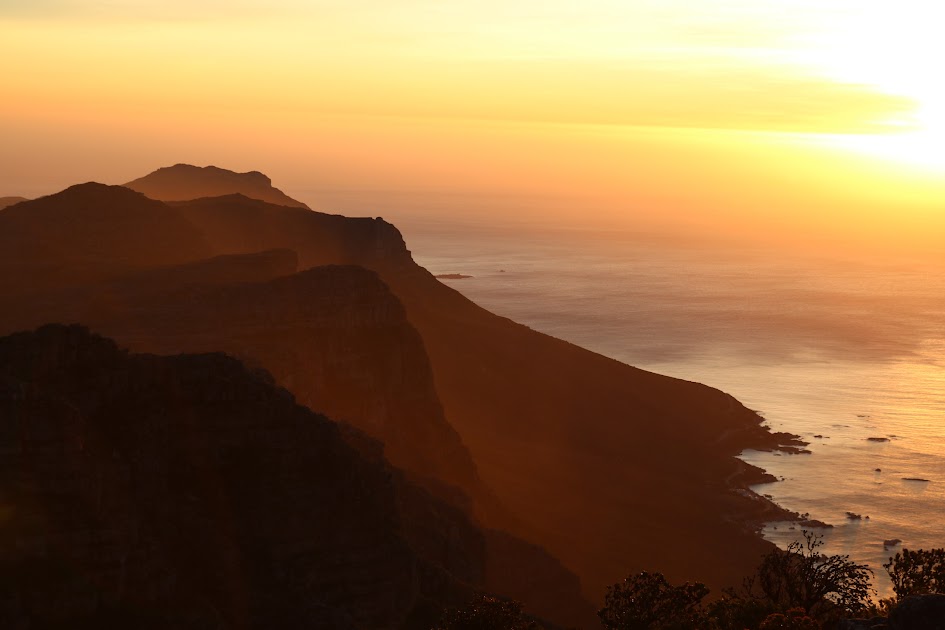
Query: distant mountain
(610, 468)
(9, 201)
(142, 491)
(183, 181)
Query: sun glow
(894, 48)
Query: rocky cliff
(239, 224)
(335, 336)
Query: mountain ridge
(515, 396)
(611, 468)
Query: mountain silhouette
(610, 468)
(183, 181)
(89, 232)
(333, 335)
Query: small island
(452, 276)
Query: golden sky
(732, 108)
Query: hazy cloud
(145, 10)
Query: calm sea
(836, 350)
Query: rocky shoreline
(765, 510)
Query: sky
(756, 115)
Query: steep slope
(190, 492)
(183, 181)
(611, 468)
(334, 336)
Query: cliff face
(612, 469)
(183, 181)
(238, 224)
(189, 491)
(334, 336)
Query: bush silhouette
(647, 600)
(917, 572)
(736, 612)
(485, 612)
(794, 619)
(825, 587)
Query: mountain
(91, 232)
(339, 340)
(183, 181)
(610, 468)
(9, 201)
(191, 492)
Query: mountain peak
(183, 182)
(91, 231)
(96, 191)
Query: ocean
(847, 351)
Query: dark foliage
(647, 600)
(734, 611)
(917, 572)
(825, 587)
(488, 613)
(793, 619)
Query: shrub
(488, 613)
(648, 601)
(794, 619)
(735, 612)
(825, 587)
(917, 572)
